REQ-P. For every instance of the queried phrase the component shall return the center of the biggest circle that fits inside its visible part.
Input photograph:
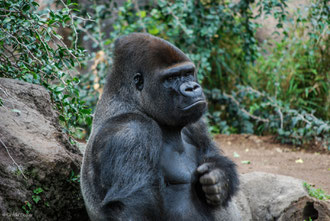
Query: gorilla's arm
(126, 163)
(218, 175)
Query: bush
(316, 193)
(32, 50)
(281, 91)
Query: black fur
(148, 140)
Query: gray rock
(282, 198)
(31, 138)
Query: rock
(306, 207)
(282, 198)
(243, 208)
(269, 22)
(42, 187)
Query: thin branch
(5, 92)
(9, 11)
(11, 53)
(43, 43)
(83, 19)
(73, 26)
(245, 111)
(281, 116)
(272, 102)
(62, 43)
(89, 34)
(304, 119)
(20, 43)
(66, 47)
(18, 167)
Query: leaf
(141, 14)
(61, 118)
(16, 111)
(26, 8)
(86, 111)
(153, 31)
(108, 41)
(299, 161)
(236, 155)
(38, 190)
(35, 4)
(6, 20)
(36, 199)
(246, 162)
(321, 128)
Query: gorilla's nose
(190, 89)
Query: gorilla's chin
(191, 113)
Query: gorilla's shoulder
(128, 120)
(128, 126)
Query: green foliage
(296, 69)
(247, 110)
(32, 50)
(38, 190)
(282, 90)
(317, 193)
(27, 207)
(74, 178)
(275, 87)
(36, 197)
(216, 35)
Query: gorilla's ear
(138, 81)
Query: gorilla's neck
(173, 136)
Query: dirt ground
(254, 153)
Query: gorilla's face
(172, 96)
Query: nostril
(189, 89)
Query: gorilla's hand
(214, 183)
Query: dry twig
(18, 167)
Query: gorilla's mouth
(198, 102)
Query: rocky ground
(253, 153)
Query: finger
(214, 203)
(203, 168)
(209, 178)
(211, 189)
(214, 198)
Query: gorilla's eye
(138, 81)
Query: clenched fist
(214, 184)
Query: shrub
(32, 50)
(281, 92)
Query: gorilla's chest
(178, 164)
(178, 161)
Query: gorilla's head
(159, 78)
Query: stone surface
(31, 138)
(277, 197)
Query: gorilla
(149, 156)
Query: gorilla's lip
(193, 104)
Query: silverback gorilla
(149, 156)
